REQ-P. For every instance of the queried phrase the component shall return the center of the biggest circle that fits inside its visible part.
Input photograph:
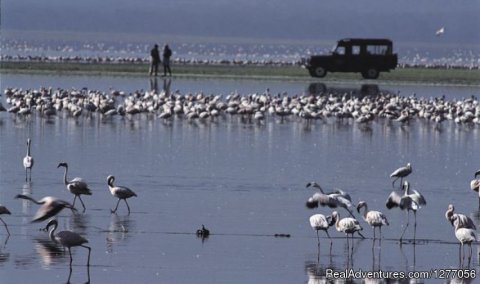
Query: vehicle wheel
(371, 73)
(320, 72)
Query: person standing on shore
(167, 53)
(154, 60)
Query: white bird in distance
(440, 32)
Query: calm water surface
(244, 181)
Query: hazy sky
(405, 20)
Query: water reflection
(320, 89)
(50, 253)
(118, 230)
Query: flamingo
(465, 236)
(28, 161)
(120, 192)
(346, 225)
(335, 199)
(459, 220)
(475, 185)
(373, 218)
(4, 210)
(408, 201)
(50, 206)
(401, 173)
(67, 239)
(77, 186)
(320, 222)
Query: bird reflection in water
(118, 230)
(50, 253)
(317, 273)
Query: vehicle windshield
(339, 49)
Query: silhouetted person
(154, 60)
(167, 53)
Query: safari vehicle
(367, 56)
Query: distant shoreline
(254, 71)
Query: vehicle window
(377, 49)
(340, 50)
(355, 49)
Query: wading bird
(401, 173)
(77, 186)
(67, 239)
(4, 210)
(335, 199)
(320, 222)
(28, 161)
(50, 206)
(120, 192)
(465, 236)
(406, 201)
(475, 185)
(373, 218)
(459, 220)
(346, 225)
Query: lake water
(244, 181)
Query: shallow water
(243, 181)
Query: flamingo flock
(403, 110)
(405, 198)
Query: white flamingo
(120, 192)
(320, 222)
(67, 239)
(373, 218)
(76, 186)
(28, 161)
(465, 236)
(475, 185)
(346, 225)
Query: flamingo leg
(318, 239)
(74, 199)
(70, 252)
(5, 226)
(406, 226)
(26, 179)
(127, 206)
(89, 250)
(373, 233)
(415, 227)
(330, 242)
(81, 201)
(115, 210)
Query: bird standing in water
(28, 161)
(67, 239)
(120, 192)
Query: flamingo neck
(65, 176)
(52, 232)
(365, 211)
